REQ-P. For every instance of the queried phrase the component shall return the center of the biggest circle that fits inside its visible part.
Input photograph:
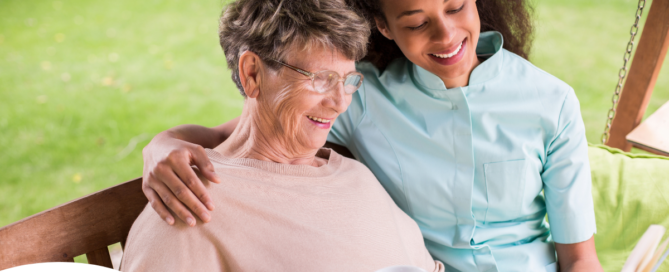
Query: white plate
(58, 267)
(401, 268)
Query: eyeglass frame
(313, 76)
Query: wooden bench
(83, 226)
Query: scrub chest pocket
(505, 187)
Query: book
(648, 253)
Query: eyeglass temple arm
(295, 69)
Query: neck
(259, 139)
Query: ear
(250, 67)
(382, 26)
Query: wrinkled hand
(169, 180)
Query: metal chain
(623, 72)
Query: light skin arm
(168, 179)
(578, 257)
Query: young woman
(471, 140)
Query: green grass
(80, 80)
(582, 43)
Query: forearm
(582, 265)
(578, 257)
(196, 134)
(342, 150)
(200, 135)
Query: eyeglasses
(324, 81)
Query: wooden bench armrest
(83, 226)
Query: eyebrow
(409, 12)
(412, 12)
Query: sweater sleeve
(153, 245)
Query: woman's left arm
(567, 187)
(578, 257)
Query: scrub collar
(489, 47)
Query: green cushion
(630, 192)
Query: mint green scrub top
(477, 167)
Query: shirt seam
(362, 116)
(558, 130)
(399, 165)
(543, 159)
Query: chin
(451, 72)
(313, 141)
(457, 70)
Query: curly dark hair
(512, 18)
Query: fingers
(173, 203)
(157, 205)
(172, 184)
(195, 195)
(183, 185)
(200, 159)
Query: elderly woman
(290, 205)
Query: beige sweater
(280, 217)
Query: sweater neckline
(332, 164)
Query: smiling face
(299, 117)
(439, 36)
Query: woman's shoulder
(518, 69)
(396, 69)
(522, 67)
(379, 83)
(376, 83)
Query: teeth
(324, 121)
(445, 56)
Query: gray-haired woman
(289, 204)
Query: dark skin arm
(342, 150)
(169, 181)
(578, 257)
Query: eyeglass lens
(326, 80)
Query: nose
(337, 99)
(443, 31)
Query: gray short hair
(270, 28)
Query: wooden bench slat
(100, 257)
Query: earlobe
(249, 73)
(253, 93)
(382, 26)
